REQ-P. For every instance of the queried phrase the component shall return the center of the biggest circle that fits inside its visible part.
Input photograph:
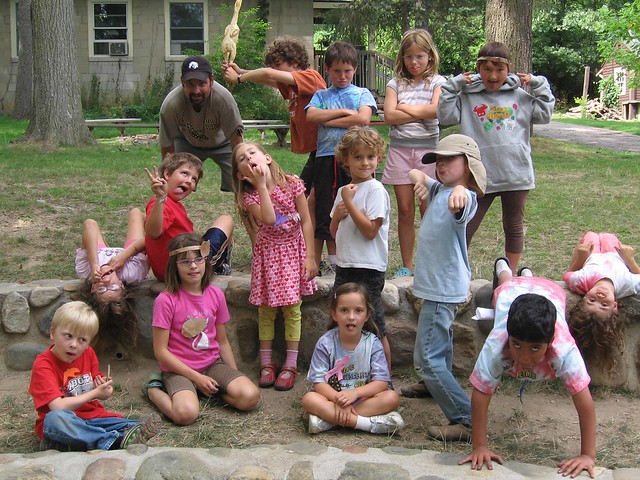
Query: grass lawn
(631, 126)
(46, 196)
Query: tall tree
(509, 22)
(57, 111)
(23, 100)
(621, 39)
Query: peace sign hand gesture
(158, 183)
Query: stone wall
(26, 311)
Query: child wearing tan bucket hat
(457, 144)
(442, 274)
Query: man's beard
(197, 104)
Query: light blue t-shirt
(351, 97)
(358, 367)
(442, 272)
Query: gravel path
(593, 136)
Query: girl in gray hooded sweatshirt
(493, 109)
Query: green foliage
(457, 27)
(254, 100)
(92, 101)
(621, 40)
(564, 42)
(459, 34)
(146, 104)
(609, 92)
(582, 103)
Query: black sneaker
(495, 275)
(525, 272)
(48, 444)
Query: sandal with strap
(403, 273)
(287, 378)
(148, 428)
(267, 375)
(153, 381)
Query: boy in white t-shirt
(530, 341)
(360, 220)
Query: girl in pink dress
(282, 267)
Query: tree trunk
(24, 94)
(57, 111)
(509, 22)
(424, 10)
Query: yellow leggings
(292, 321)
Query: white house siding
(147, 50)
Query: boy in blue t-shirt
(335, 109)
(442, 274)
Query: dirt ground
(542, 431)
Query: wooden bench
(117, 123)
(122, 124)
(280, 129)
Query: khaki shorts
(221, 373)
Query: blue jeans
(65, 427)
(432, 358)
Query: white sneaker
(317, 424)
(389, 423)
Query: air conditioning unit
(118, 48)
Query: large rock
(402, 339)
(20, 356)
(44, 325)
(105, 469)
(43, 296)
(390, 298)
(16, 314)
(176, 465)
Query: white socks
(363, 423)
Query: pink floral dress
(277, 276)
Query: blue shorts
(220, 254)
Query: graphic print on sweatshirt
(497, 117)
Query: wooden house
(629, 98)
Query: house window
(109, 28)
(187, 26)
(620, 77)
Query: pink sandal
(267, 375)
(287, 378)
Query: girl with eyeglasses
(107, 272)
(190, 339)
(410, 104)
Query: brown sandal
(415, 390)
